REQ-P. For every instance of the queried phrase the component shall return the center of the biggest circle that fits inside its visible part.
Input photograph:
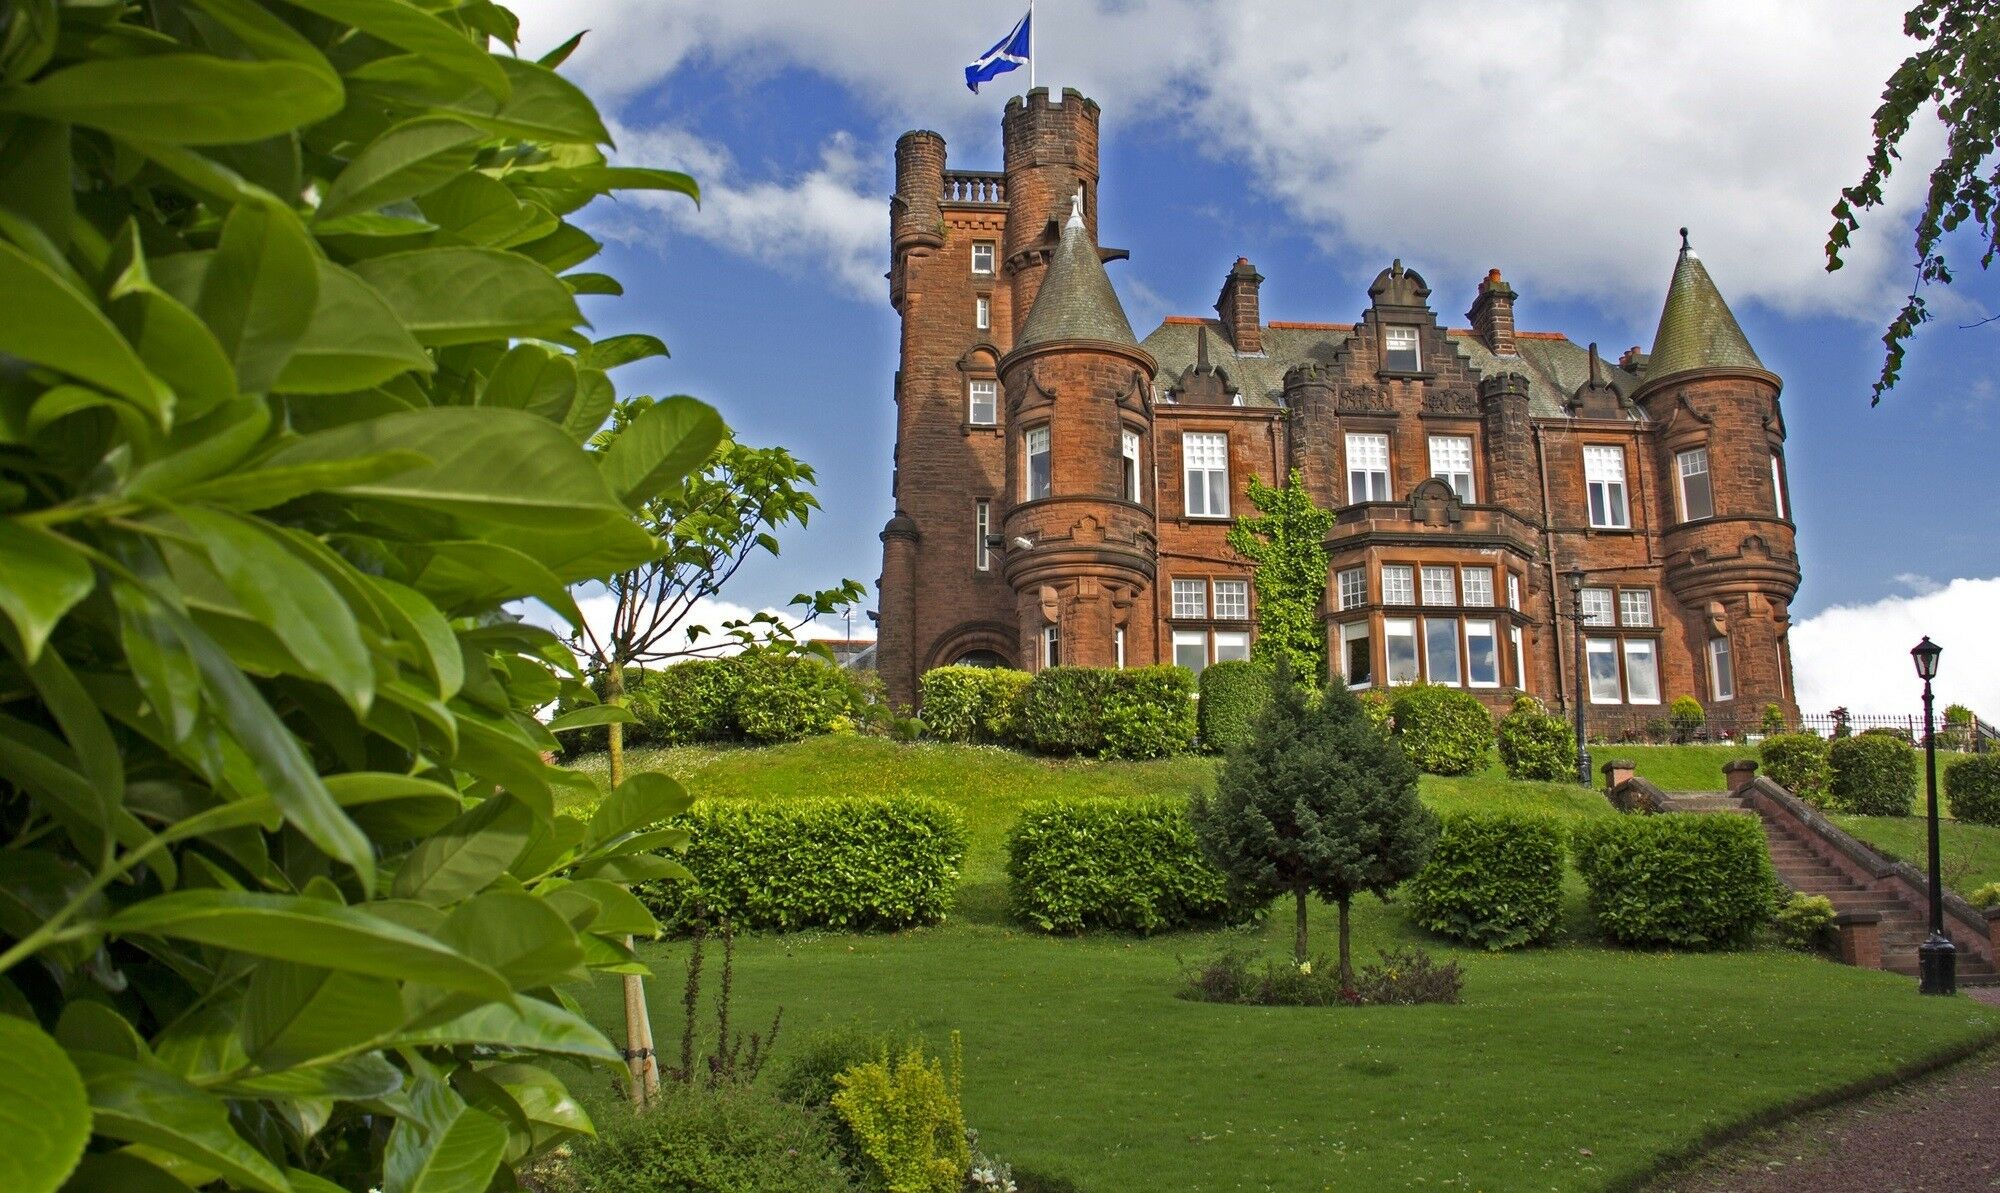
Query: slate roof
(1076, 301)
(1697, 330)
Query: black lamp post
(1583, 775)
(1937, 957)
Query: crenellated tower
(1727, 537)
(1051, 158)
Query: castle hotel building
(1063, 488)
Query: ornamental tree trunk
(1299, 931)
(643, 1079)
(1346, 968)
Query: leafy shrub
(835, 862)
(1774, 720)
(1682, 879)
(1062, 711)
(1409, 977)
(905, 1115)
(1232, 694)
(1535, 744)
(732, 1139)
(1874, 774)
(1377, 708)
(1805, 923)
(1685, 715)
(808, 1076)
(1404, 977)
(1972, 789)
(787, 697)
(1900, 734)
(693, 701)
(1445, 731)
(1798, 762)
(970, 704)
(1493, 879)
(1107, 862)
(1150, 713)
(1985, 896)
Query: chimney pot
(1492, 314)
(1238, 307)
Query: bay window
(1478, 585)
(1399, 649)
(1357, 654)
(1129, 457)
(1398, 584)
(1037, 473)
(1440, 585)
(1697, 493)
(1482, 655)
(1441, 649)
(1721, 670)
(1353, 588)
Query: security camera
(1023, 544)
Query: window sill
(1406, 374)
(993, 429)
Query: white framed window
(1697, 493)
(982, 525)
(1399, 349)
(1482, 655)
(982, 256)
(1232, 600)
(1440, 585)
(983, 398)
(1051, 646)
(1118, 646)
(1037, 476)
(1367, 468)
(982, 313)
(1520, 658)
(1635, 607)
(1604, 475)
(1232, 646)
(1477, 584)
(1353, 588)
(1642, 671)
(1357, 656)
(1513, 591)
(1399, 649)
(1602, 654)
(1190, 600)
(1451, 462)
(1205, 470)
(1597, 607)
(1191, 649)
(1721, 670)
(1129, 457)
(1778, 491)
(1441, 649)
(1398, 584)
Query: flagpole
(1031, 45)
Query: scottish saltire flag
(1012, 51)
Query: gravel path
(1938, 1134)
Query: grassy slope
(1566, 1068)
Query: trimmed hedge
(1445, 731)
(1105, 862)
(692, 701)
(1493, 879)
(1682, 879)
(1873, 775)
(1799, 763)
(1232, 694)
(1536, 745)
(1143, 712)
(1972, 789)
(1062, 711)
(788, 697)
(837, 862)
(970, 704)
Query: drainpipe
(1549, 558)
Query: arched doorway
(980, 658)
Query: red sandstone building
(1063, 488)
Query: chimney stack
(1238, 307)
(1492, 314)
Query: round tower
(916, 221)
(1050, 157)
(1730, 557)
(1080, 536)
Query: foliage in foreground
(1403, 977)
(1111, 863)
(1536, 745)
(1682, 879)
(293, 396)
(1493, 879)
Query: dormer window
(1399, 350)
(982, 257)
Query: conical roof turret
(1697, 329)
(1076, 300)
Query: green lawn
(1566, 1068)
(1674, 768)
(1970, 852)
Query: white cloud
(597, 609)
(1917, 583)
(1563, 140)
(1859, 655)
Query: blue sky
(1562, 142)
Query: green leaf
(619, 911)
(445, 1147)
(454, 295)
(308, 931)
(125, 1172)
(261, 488)
(520, 936)
(395, 807)
(591, 715)
(593, 283)
(638, 867)
(260, 291)
(296, 1015)
(44, 321)
(620, 350)
(169, 337)
(354, 1079)
(291, 599)
(542, 1099)
(641, 801)
(418, 622)
(138, 1104)
(410, 159)
(465, 856)
(161, 663)
(544, 106)
(201, 448)
(480, 210)
(629, 178)
(529, 1025)
(44, 578)
(660, 448)
(35, 175)
(353, 341)
(408, 27)
(595, 398)
(532, 378)
(182, 99)
(44, 1114)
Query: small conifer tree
(1318, 802)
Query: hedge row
(1874, 774)
(1140, 712)
(1972, 789)
(1105, 862)
(1683, 879)
(1493, 879)
(840, 862)
(754, 696)
(1444, 730)
(1232, 694)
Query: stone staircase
(1814, 857)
